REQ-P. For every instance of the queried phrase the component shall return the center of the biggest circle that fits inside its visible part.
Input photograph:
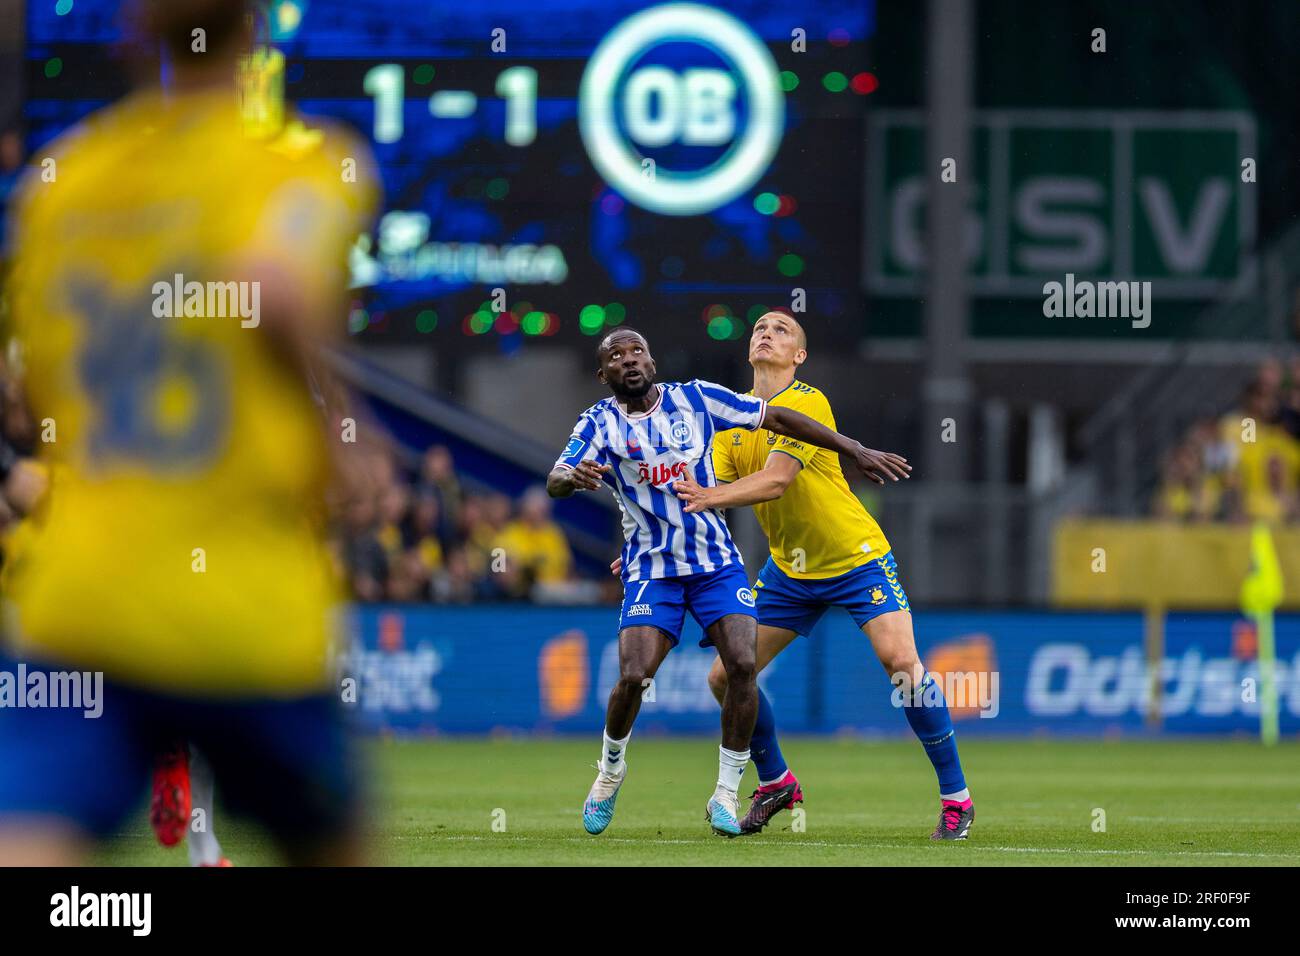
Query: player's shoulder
(325, 141)
(596, 412)
(801, 393)
(702, 386)
(66, 158)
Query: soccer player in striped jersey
(639, 443)
(826, 551)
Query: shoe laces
(605, 785)
(951, 816)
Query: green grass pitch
(517, 802)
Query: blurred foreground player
(182, 804)
(640, 442)
(180, 551)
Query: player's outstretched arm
(766, 484)
(876, 465)
(585, 476)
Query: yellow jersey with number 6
(180, 546)
(818, 528)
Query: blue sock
(763, 748)
(927, 712)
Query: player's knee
(718, 680)
(740, 669)
(634, 678)
(901, 662)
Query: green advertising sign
(1131, 196)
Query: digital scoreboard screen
(681, 166)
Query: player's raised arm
(579, 467)
(564, 480)
(876, 465)
(766, 484)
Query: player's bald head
(778, 340)
(800, 334)
(624, 363)
(618, 335)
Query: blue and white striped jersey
(646, 452)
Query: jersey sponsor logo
(660, 474)
(639, 610)
(735, 440)
(574, 447)
(745, 596)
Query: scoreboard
(554, 168)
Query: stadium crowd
(425, 538)
(1243, 465)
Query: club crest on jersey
(877, 595)
(745, 596)
(681, 433)
(659, 474)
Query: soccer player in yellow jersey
(827, 551)
(172, 284)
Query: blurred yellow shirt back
(180, 544)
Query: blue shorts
(709, 596)
(797, 604)
(285, 763)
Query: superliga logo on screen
(630, 103)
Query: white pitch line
(893, 846)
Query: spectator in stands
(1267, 466)
(438, 480)
(364, 558)
(1289, 416)
(456, 585)
(393, 503)
(396, 542)
(421, 533)
(1177, 497)
(536, 550)
(409, 579)
(475, 535)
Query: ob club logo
(632, 103)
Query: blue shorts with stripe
(286, 763)
(709, 596)
(797, 604)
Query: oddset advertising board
(548, 670)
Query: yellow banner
(1103, 563)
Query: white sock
(960, 796)
(731, 765)
(612, 753)
(201, 839)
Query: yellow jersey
(180, 545)
(543, 549)
(818, 528)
